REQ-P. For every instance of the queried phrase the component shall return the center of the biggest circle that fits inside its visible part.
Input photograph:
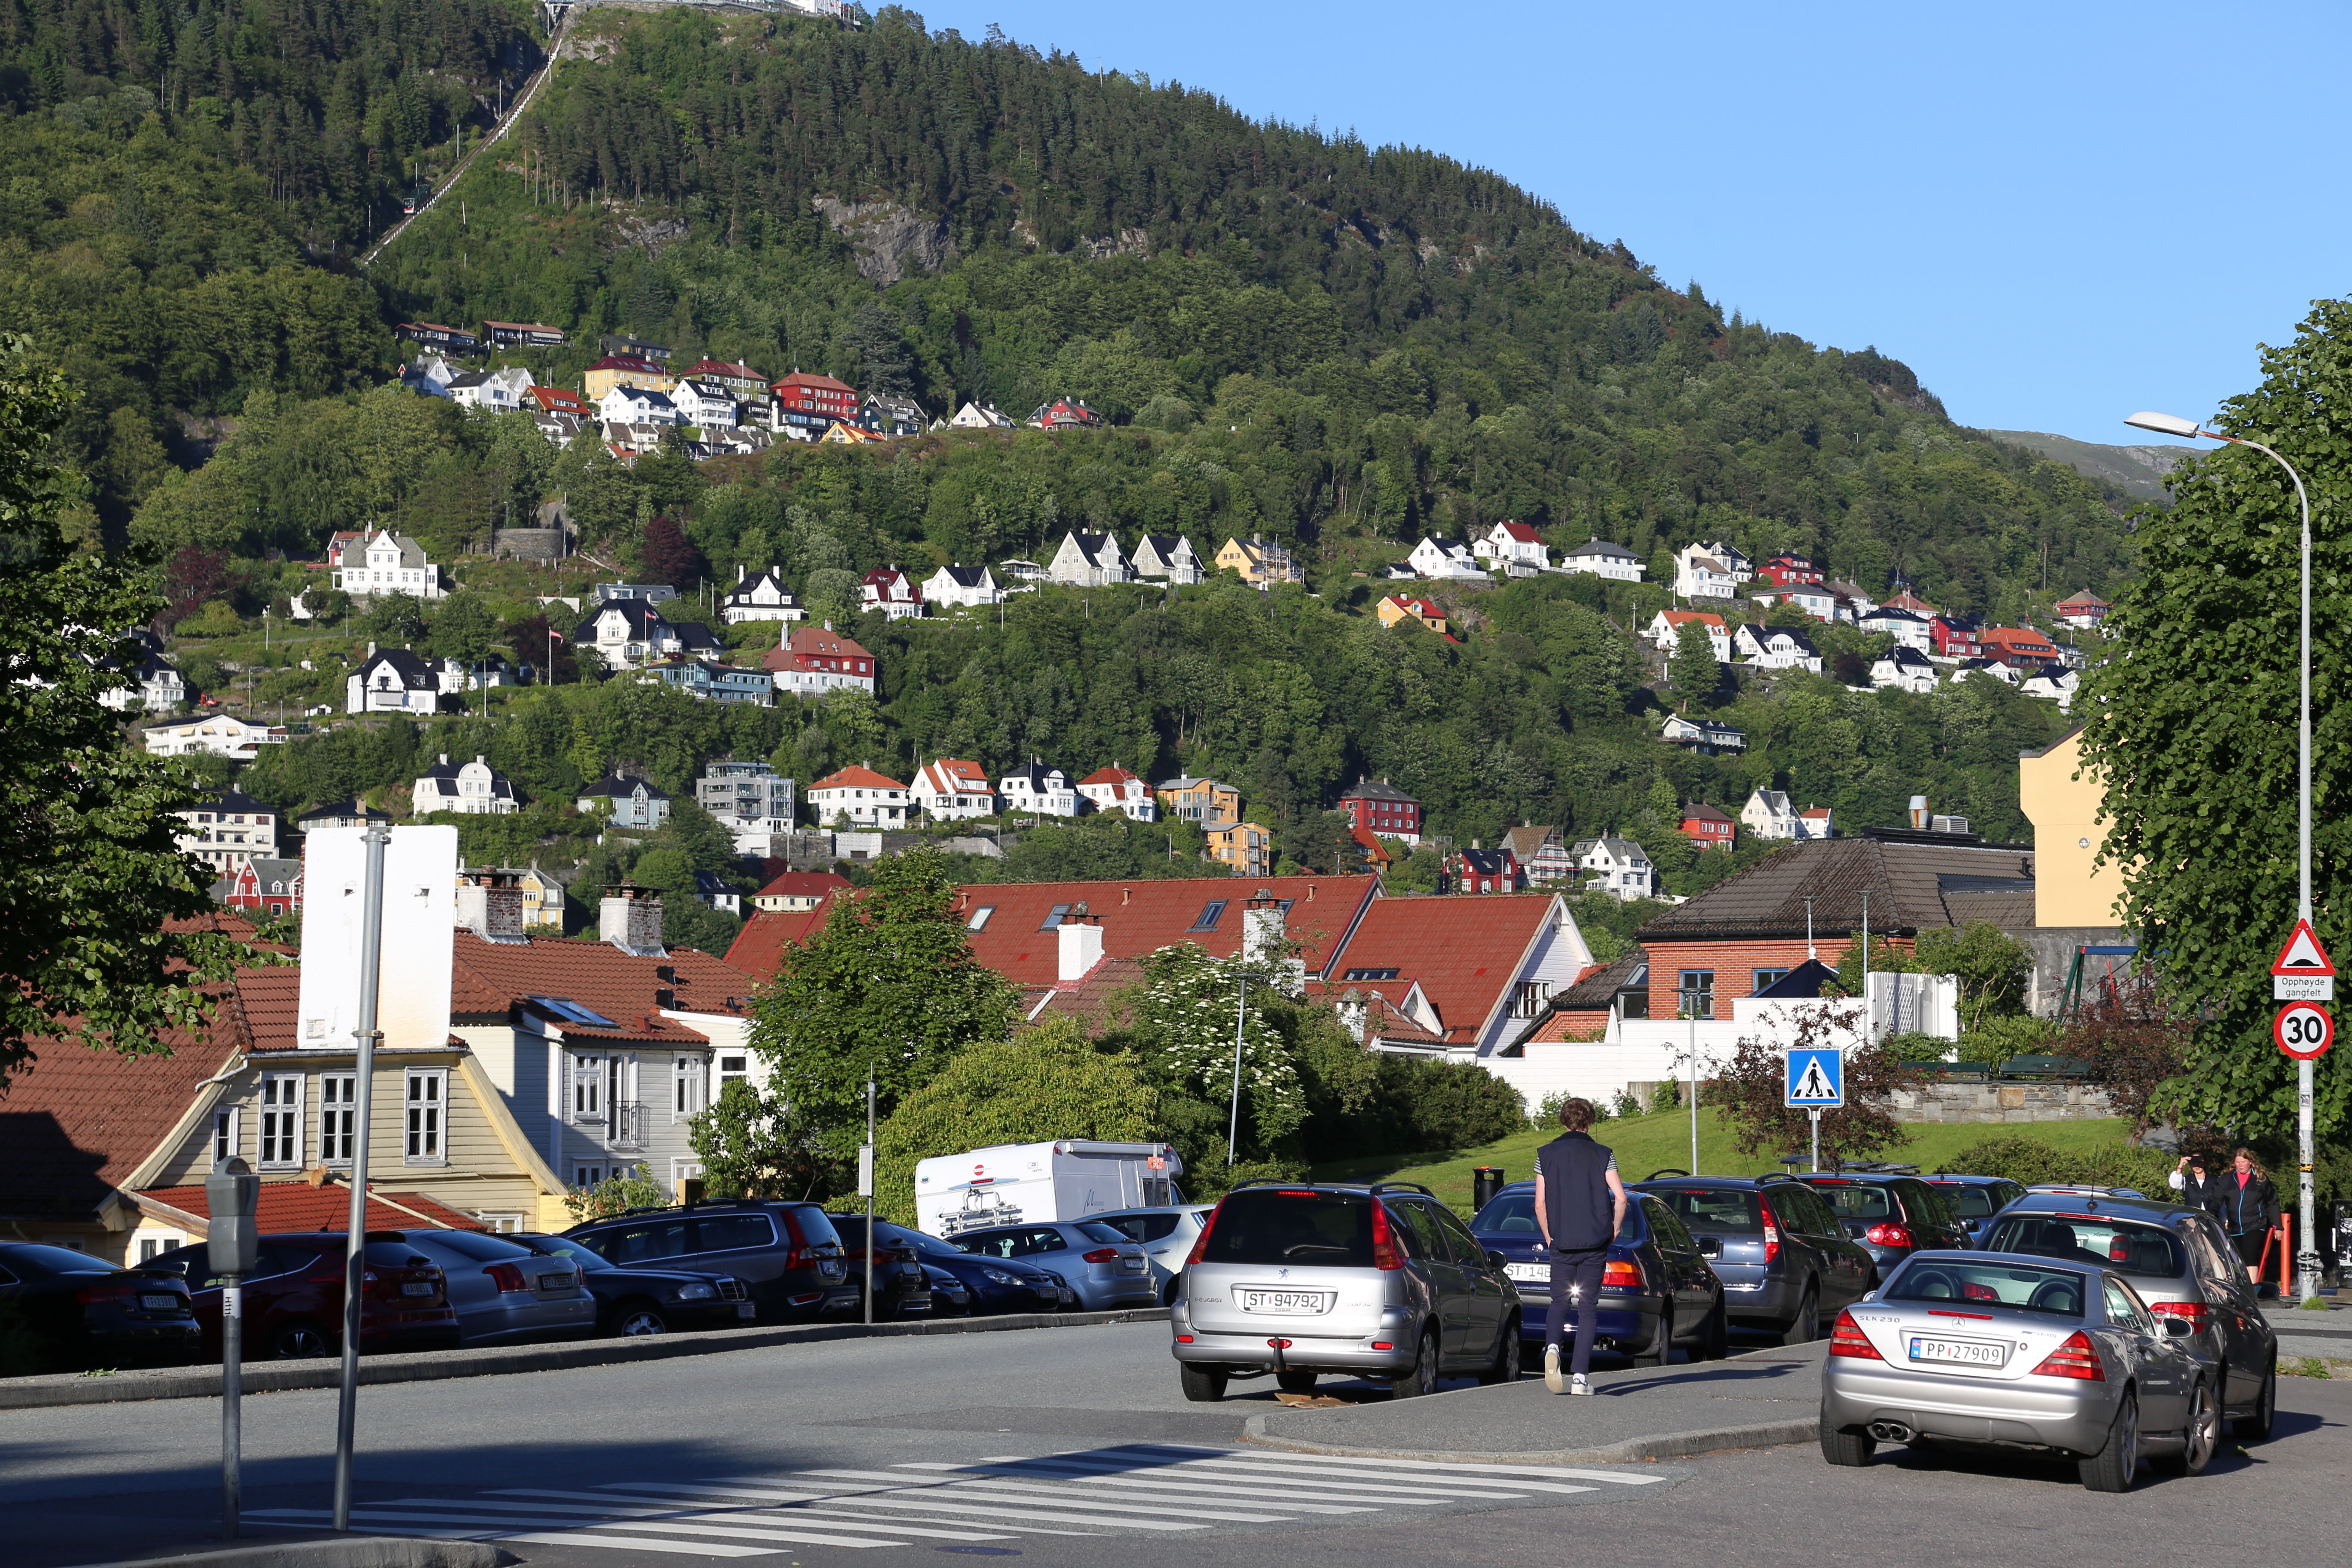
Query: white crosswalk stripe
(1131, 1491)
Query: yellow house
(1260, 561)
(845, 434)
(1245, 846)
(1397, 607)
(620, 370)
(1205, 801)
(543, 898)
(2062, 798)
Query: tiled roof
(1906, 883)
(1462, 952)
(1113, 775)
(821, 383)
(1366, 789)
(284, 1207)
(1702, 813)
(856, 775)
(1088, 999)
(803, 884)
(1524, 842)
(1523, 533)
(815, 642)
(954, 776)
(272, 1001)
(759, 948)
(492, 978)
(612, 786)
(1597, 987)
(1686, 617)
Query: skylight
(1053, 917)
(979, 920)
(1209, 914)
(571, 1012)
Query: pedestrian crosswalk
(1132, 1491)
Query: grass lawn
(1646, 1143)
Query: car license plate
(1958, 1352)
(555, 1281)
(1131, 1266)
(830, 1268)
(416, 1288)
(163, 1304)
(1295, 1302)
(1534, 1273)
(746, 1310)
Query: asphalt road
(1065, 1447)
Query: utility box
(232, 1194)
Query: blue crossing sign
(1816, 1078)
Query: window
(1053, 917)
(150, 1246)
(683, 1073)
(1211, 914)
(733, 1233)
(587, 1176)
(224, 1131)
(1696, 995)
(1766, 978)
(281, 1120)
(1388, 974)
(427, 1089)
(733, 1069)
(1529, 998)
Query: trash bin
(1484, 1182)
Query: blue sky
(2055, 214)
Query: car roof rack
(1779, 1177)
(1878, 1168)
(1401, 1187)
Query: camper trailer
(1011, 1183)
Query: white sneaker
(1579, 1385)
(1552, 1370)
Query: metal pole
(1694, 1089)
(378, 835)
(868, 1184)
(1234, 1126)
(1816, 1114)
(232, 1402)
(1865, 966)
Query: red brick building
(1707, 827)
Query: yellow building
(1397, 607)
(2062, 798)
(620, 370)
(1245, 846)
(1259, 561)
(1205, 801)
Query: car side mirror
(1710, 1247)
(2177, 1328)
(1496, 1258)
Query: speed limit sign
(2303, 1030)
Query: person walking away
(1579, 1204)
(2248, 1208)
(2196, 1186)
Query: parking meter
(232, 1194)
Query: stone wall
(531, 543)
(1991, 1102)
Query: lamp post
(2306, 1258)
(1241, 1016)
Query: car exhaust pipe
(1890, 1432)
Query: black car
(1976, 1199)
(996, 1284)
(292, 1303)
(631, 1301)
(901, 1289)
(77, 1311)
(1785, 1264)
(788, 1253)
(1893, 1216)
(1656, 1290)
(949, 1298)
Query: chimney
(738, 571)
(631, 918)
(1919, 812)
(1081, 936)
(1264, 927)
(370, 652)
(489, 904)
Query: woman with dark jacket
(2247, 1206)
(2194, 1184)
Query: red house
(813, 403)
(274, 885)
(1952, 638)
(2016, 646)
(1788, 571)
(1382, 809)
(814, 660)
(1064, 414)
(1705, 826)
(1476, 870)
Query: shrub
(2030, 1161)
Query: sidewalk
(1752, 1400)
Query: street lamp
(1241, 1014)
(2306, 1258)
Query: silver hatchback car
(2021, 1353)
(1100, 1265)
(1381, 1281)
(1166, 1235)
(504, 1291)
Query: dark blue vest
(1576, 1202)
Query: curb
(338, 1552)
(1632, 1450)
(425, 1366)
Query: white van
(1069, 1179)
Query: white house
(156, 686)
(1768, 815)
(636, 406)
(475, 789)
(386, 563)
(500, 391)
(890, 591)
(760, 598)
(429, 375)
(392, 680)
(625, 631)
(1168, 556)
(1446, 558)
(865, 798)
(949, 789)
(1813, 598)
(1701, 573)
(2057, 684)
(1707, 736)
(1087, 561)
(973, 417)
(1602, 559)
(1906, 667)
(1618, 867)
(1038, 788)
(811, 662)
(1665, 630)
(705, 404)
(219, 734)
(1515, 547)
(961, 588)
(1907, 627)
(1776, 647)
(1115, 789)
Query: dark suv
(1893, 1216)
(1785, 1264)
(788, 1253)
(902, 1286)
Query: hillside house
(2084, 611)
(1382, 809)
(1954, 637)
(261, 886)
(799, 892)
(638, 406)
(1790, 572)
(1168, 557)
(1036, 788)
(392, 680)
(1617, 866)
(705, 404)
(1909, 628)
(812, 661)
(1244, 848)
(1113, 788)
(1478, 870)
(961, 588)
(495, 391)
(1064, 414)
(1439, 560)
(1776, 647)
(353, 812)
(849, 433)
(1397, 607)
(1087, 561)
(1707, 827)
(385, 563)
(636, 804)
(1708, 737)
(740, 380)
(1906, 669)
(1814, 600)
(747, 796)
(623, 344)
(1259, 561)
(707, 681)
(471, 789)
(1199, 800)
(151, 682)
(1600, 558)
(890, 591)
(432, 335)
(951, 789)
(891, 418)
(860, 797)
(1665, 630)
(521, 335)
(1768, 815)
(808, 405)
(226, 828)
(2055, 683)
(760, 598)
(625, 632)
(2019, 646)
(1516, 547)
(973, 417)
(1853, 601)
(1542, 854)
(598, 380)
(1710, 572)
(429, 375)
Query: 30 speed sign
(2303, 1030)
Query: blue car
(995, 1284)
(1657, 1292)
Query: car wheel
(2201, 1436)
(1422, 1378)
(1661, 1349)
(636, 1318)
(2256, 1427)
(2113, 1467)
(300, 1341)
(1505, 1367)
(1806, 1326)
(1850, 1449)
(1295, 1381)
(1203, 1385)
(1714, 1335)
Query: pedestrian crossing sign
(1816, 1077)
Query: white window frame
(424, 1119)
(685, 1086)
(586, 1101)
(281, 1104)
(338, 1117)
(728, 1074)
(226, 1131)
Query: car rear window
(1715, 1211)
(1143, 1227)
(1508, 1214)
(1850, 1200)
(1970, 1201)
(2081, 1238)
(564, 1247)
(393, 1254)
(35, 1258)
(2056, 1291)
(1094, 1230)
(1331, 1230)
(809, 1226)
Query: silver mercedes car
(2009, 1350)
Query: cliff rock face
(890, 239)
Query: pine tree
(1693, 674)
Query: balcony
(627, 1133)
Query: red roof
(816, 383)
(296, 1205)
(1417, 607)
(721, 367)
(2017, 640)
(857, 775)
(803, 884)
(1113, 775)
(1523, 533)
(2085, 601)
(813, 642)
(759, 948)
(1462, 952)
(491, 979)
(1684, 617)
(555, 400)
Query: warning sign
(2302, 954)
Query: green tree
(1692, 673)
(1185, 1017)
(754, 1147)
(1993, 968)
(889, 986)
(100, 902)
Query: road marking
(490, 1515)
(755, 1516)
(1066, 1497)
(1093, 1474)
(934, 1503)
(1442, 1466)
(1362, 1475)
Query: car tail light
(92, 1295)
(1183, 1338)
(1772, 1232)
(1383, 1345)
(509, 1277)
(1887, 1233)
(2196, 1313)
(2075, 1358)
(1847, 1339)
(1100, 1255)
(1620, 1274)
(1201, 1248)
(1384, 1247)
